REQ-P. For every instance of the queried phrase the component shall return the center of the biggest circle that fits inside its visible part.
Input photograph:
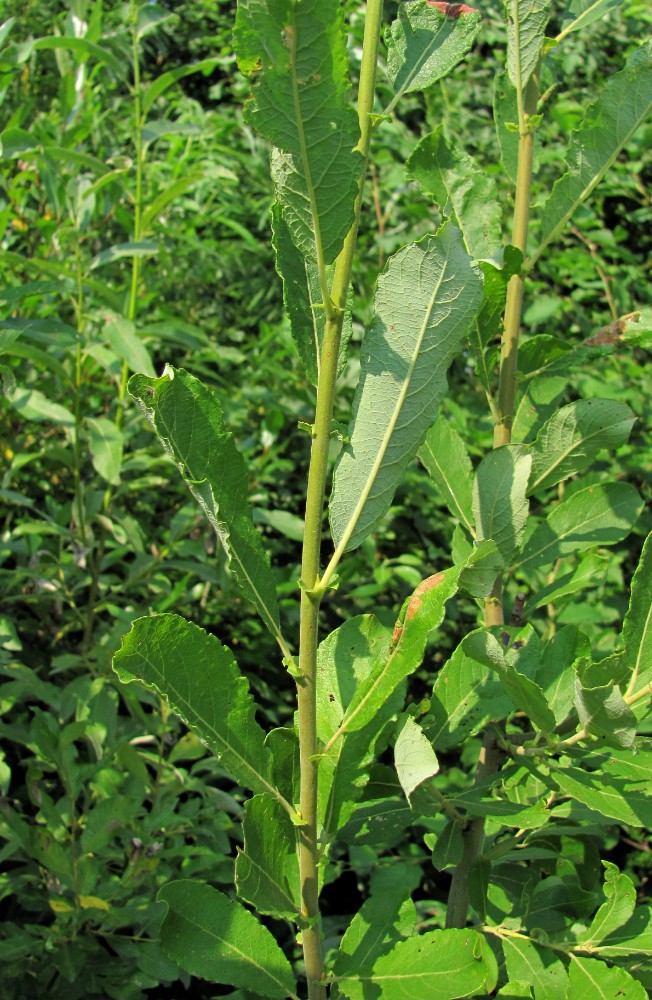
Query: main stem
(490, 755)
(311, 595)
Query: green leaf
(538, 402)
(526, 30)
(463, 192)
(517, 989)
(625, 801)
(106, 443)
(588, 977)
(500, 507)
(429, 965)
(383, 919)
(267, 870)
(634, 938)
(84, 50)
(589, 573)
(200, 679)
(537, 966)
(606, 128)
(33, 405)
(145, 248)
(424, 44)
(425, 301)
(424, 612)
(597, 515)
(580, 13)
(414, 758)
(621, 900)
(301, 104)
(121, 335)
(303, 300)
(556, 674)
(188, 420)
(601, 708)
(447, 461)
(505, 109)
(465, 697)
(163, 82)
(637, 627)
(525, 694)
(344, 661)
(480, 568)
(568, 440)
(449, 848)
(212, 936)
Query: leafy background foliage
(105, 796)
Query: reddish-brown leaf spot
(423, 588)
(451, 9)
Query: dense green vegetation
(135, 209)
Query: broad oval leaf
(608, 125)
(424, 43)
(500, 507)
(526, 27)
(569, 440)
(302, 105)
(200, 679)
(106, 443)
(414, 758)
(216, 938)
(188, 420)
(597, 515)
(425, 302)
(591, 977)
(267, 870)
(436, 965)
(621, 900)
(541, 968)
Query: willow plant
(462, 286)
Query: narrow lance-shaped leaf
(425, 302)
(427, 966)
(569, 440)
(267, 871)
(526, 28)
(302, 105)
(188, 420)
(580, 13)
(500, 507)
(608, 125)
(200, 679)
(619, 907)
(637, 627)
(303, 300)
(598, 515)
(445, 457)
(461, 189)
(425, 42)
(216, 938)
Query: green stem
(311, 594)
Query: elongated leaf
(445, 457)
(580, 13)
(601, 708)
(505, 108)
(536, 405)
(414, 758)
(188, 420)
(84, 50)
(626, 802)
(302, 105)
(598, 515)
(632, 939)
(556, 670)
(106, 442)
(569, 440)
(166, 80)
(608, 125)
(526, 29)
(538, 966)
(462, 191)
(303, 300)
(424, 44)
(425, 302)
(621, 899)
(424, 612)
(431, 965)
(449, 848)
(386, 917)
(500, 507)
(344, 661)
(121, 335)
(466, 695)
(212, 936)
(637, 627)
(267, 870)
(590, 977)
(145, 248)
(589, 573)
(525, 694)
(200, 679)
(33, 405)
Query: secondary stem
(311, 594)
